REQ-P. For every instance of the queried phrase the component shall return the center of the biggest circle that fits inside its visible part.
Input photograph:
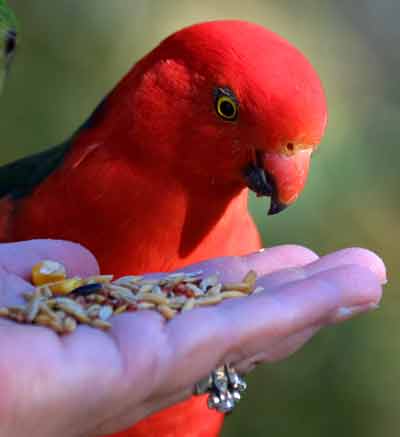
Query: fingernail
(346, 313)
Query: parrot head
(8, 39)
(234, 104)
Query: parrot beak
(281, 177)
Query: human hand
(94, 383)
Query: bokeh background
(347, 380)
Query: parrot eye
(226, 104)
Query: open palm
(92, 382)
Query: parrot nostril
(291, 148)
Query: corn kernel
(66, 286)
(47, 271)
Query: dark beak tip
(256, 180)
(259, 181)
(276, 207)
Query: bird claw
(224, 387)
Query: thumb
(19, 258)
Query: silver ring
(224, 387)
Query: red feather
(155, 181)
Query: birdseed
(63, 305)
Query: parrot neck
(162, 223)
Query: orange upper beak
(288, 174)
(279, 176)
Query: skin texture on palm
(8, 39)
(145, 364)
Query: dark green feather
(19, 178)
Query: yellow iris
(227, 108)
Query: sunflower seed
(88, 289)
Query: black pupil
(10, 42)
(227, 109)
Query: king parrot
(157, 177)
(8, 39)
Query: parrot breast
(155, 180)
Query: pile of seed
(63, 303)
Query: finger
(279, 350)
(362, 257)
(319, 299)
(19, 258)
(263, 262)
(239, 329)
(281, 257)
(343, 257)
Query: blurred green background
(72, 52)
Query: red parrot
(157, 177)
